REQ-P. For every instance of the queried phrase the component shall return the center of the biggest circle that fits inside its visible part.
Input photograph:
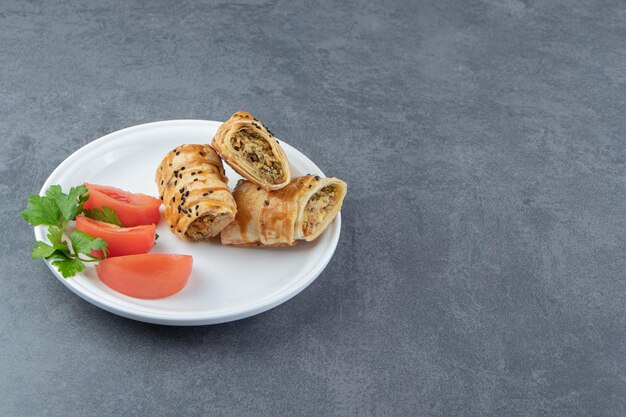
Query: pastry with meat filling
(300, 211)
(193, 186)
(251, 149)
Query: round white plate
(227, 283)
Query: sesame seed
(205, 194)
(197, 205)
(173, 198)
(210, 191)
(201, 153)
(267, 203)
(176, 182)
(178, 230)
(193, 172)
(195, 179)
(161, 182)
(182, 168)
(177, 152)
(317, 178)
(199, 172)
(258, 188)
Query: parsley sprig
(55, 209)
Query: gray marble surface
(481, 267)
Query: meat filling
(317, 208)
(258, 153)
(199, 229)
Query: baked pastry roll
(193, 187)
(251, 150)
(300, 211)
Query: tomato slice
(132, 209)
(120, 240)
(146, 276)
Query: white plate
(227, 283)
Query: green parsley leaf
(84, 243)
(55, 209)
(69, 267)
(42, 250)
(55, 235)
(41, 211)
(105, 214)
(71, 204)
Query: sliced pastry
(300, 211)
(253, 151)
(193, 187)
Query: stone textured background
(481, 268)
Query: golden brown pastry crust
(261, 162)
(193, 187)
(300, 211)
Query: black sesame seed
(161, 182)
(176, 182)
(177, 152)
(317, 178)
(189, 215)
(187, 193)
(182, 168)
(267, 203)
(193, 172)
(258, 188)
(199, 172)
(195, 179)
(178, 230)
(197, 206)
(310, 186)
(170, 165)
(201, 153)
(173, 198)
(161, 197)
(210, 191)
(175, 173)
(205, 194)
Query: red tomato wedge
(132, 209)
(146, 276)
(120, 240)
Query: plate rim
(226, 315)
